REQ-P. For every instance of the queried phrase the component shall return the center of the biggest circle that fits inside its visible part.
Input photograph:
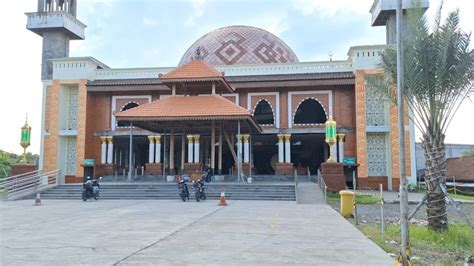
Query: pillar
(158, 149)
(110, 150)
(103, 150)
(287, 148)
(151, 147)
(220, 151)
(196, 148)
(183, 151)
(245, 137)
(341, 138)
(213, 88)
(213, 147)
(172, 151)
(239, 147)
(190, 148)
(280, 148)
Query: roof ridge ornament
(198, 55)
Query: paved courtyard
(172, 232)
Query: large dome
(235, 45)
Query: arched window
(310, 111)
(264, 113)
(129, 105)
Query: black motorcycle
(91, 189)
(199, 190)
(183, 190)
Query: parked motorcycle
(199, 190)
(183, 190)
(91, 189)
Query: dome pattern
(240, 45)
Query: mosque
(239, 102)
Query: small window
(264, 113)
(310, 111)
(129, 105)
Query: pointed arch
(310, 111)
(128, 105)
(264, 113)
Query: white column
(280, 148)
(172, 151)
(196, 148)
(183, 150)
(110, 150)
(287, 148)
(190, 148)
(103, 150)
(151, 147)
(213, 147)
(342, 139)
(220, 150)
(246, 148)
(158, 149)
(239, 147)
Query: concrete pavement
(173, 232)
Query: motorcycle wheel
(84, 196)
(203, 196)
(197, 196)
(96, 196)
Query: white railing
(27, 184)
(232, 70)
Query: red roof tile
(196, 69)
(183, 107)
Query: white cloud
(197, 12)
(149, 22)
(333, 7)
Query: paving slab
(134, 232)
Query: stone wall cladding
(362, 170)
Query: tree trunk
(435, 176)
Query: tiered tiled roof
(195, 69)
(188, 108)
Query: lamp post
(331, 137)
(25, 138)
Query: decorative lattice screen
(72, 108)
(376, 107)
(377, 154)
(71, 156)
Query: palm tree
(438, 76)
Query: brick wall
(462, 168)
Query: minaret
(56, 22)
(383, 13)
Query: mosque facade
(239, 100)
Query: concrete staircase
(142, 191)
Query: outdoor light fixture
(25, 138)
(331, 137)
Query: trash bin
(347, 202)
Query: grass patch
(447, 247)
(334, 197)
(460, 196)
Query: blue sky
(151, 33)
(157, 33)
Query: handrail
(27, 184)
(322, 185)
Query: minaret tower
(56, 22)
(383, 14)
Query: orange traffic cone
(222, 201)
(38, 199)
